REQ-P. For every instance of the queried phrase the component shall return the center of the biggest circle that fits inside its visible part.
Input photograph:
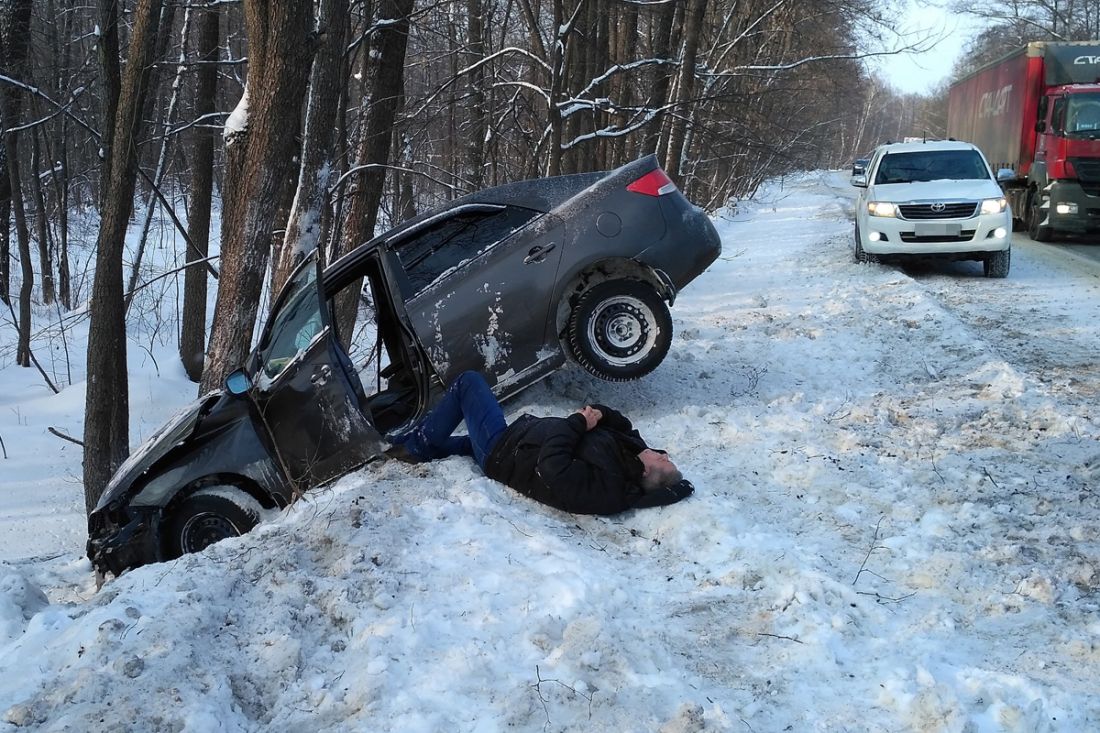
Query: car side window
(295, 324)
(451, 242)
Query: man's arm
(615, 420)
(573, 484)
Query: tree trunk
(108, 47)
(304, 231)
(475, 146)
(5, 240)
(375, 139)
(193, 320)
(106, 420)
(15, 20)
(685, 89)
(258, 160)
(45, 262)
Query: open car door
(308, 396)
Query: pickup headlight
(882, 208)
(994, 206)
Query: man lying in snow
(592, 462)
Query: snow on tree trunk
(260, 140)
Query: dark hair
(660, 478)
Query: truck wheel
(1035, 229)
(996, 264)
(209, 515)
(620, 330)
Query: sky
(920, 72)
(895, 529)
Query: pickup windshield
(931, 165)
(1083, 115)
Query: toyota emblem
(938, 207)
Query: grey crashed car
(512, 282)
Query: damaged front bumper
(121, 540)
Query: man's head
(657, 470)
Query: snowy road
(896, 528)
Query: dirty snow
(895, 529)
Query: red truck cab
(1036, 115)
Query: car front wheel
(996, 264)
(208, 516)
(620, 330)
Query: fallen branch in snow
(537, 687)
(988, 476)
(63, 436)
(3, 448)
(874, 546)
(778, 636)
(879, 598)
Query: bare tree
(106, 421)
(260, 144)
(201, 165)
(15, 20)
(308, 220)
(379, 111)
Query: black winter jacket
(556, 461)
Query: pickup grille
(964, 236)
(924, 212)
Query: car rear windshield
(932, 165)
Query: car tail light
(654, 183)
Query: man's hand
(592, 416)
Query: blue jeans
(468, 398)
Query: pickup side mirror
(859, 181)
(1005, 174)
(1041, 126)
(238, 382)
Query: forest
(289, 126)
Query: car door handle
(538, 254)
(320, 377)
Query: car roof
(889, 148)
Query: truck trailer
(1036, 115)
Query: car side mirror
(1041, 126)
(1005, 174)
(238, 382)
(859, 181)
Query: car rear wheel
(210, 515)
(996, 264)
(620, 330)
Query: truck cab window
(1058, 116)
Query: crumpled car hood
(168, 436)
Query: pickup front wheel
(620, 330)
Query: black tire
(1035, 229)
(861, 254)
(209, 515)
(620, 330)
(996, 264)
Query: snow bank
(895, 528)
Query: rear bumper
(691, 243)
(116, 547)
